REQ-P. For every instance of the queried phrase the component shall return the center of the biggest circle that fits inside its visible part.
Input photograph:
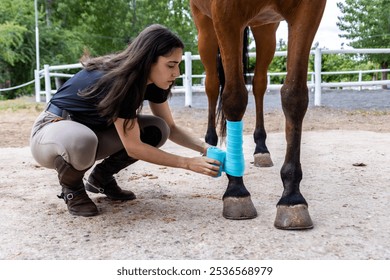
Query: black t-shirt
(84, 109)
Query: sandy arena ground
(178, 214)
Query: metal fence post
(317, 80)
(187, 81)
(37, 86)
(47, 82)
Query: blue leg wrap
(234, 162)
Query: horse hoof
(293, 217)
(263, 160)
(238, 208)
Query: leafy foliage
(367, 25)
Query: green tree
(174, 14)
(100, 27)
(67, 28)
(367, 25)
(11, 39)
(279, 63)
(16, 44)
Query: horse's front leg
(237, 202)
(292, 209)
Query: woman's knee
(81, 150)
(154, 130)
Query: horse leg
(292, 208)
(265, 49)
(209, 59)
(237, 203)
(208, 50)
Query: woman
(96, 115)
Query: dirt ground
(16, 124)
(177, 214)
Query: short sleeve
(155, 94)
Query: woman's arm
(137, 149)
(178, 134)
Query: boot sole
(84, 214)
(91, 189)
(121, 198)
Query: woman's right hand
(204, 165)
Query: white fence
(188, 88)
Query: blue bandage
(218, 154)
(234, 161)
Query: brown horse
(221, 25)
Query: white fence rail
(188, 88)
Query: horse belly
(204, 6)
(265, 16)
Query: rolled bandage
(218, 154)
(234, 162)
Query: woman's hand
(204, 165)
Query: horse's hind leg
(292, 210)
(208, 50)
(265, 49)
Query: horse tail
(220, 115)
(221, 75)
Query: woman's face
(165, 71)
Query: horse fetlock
(293, 217)
(291, 198)
(238, 208)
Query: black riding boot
(73, 191)
(101, 179)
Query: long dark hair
(126, 73)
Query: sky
(327, 34)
